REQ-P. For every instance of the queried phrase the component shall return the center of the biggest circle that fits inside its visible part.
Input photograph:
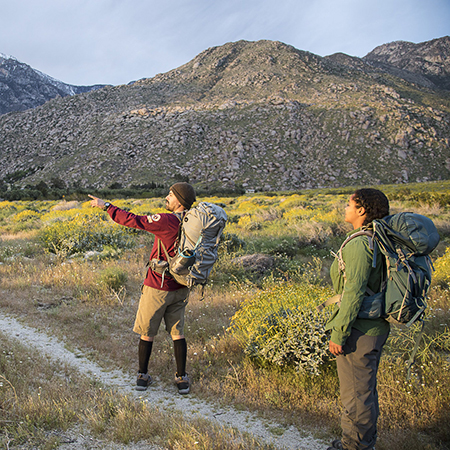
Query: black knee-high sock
(144, 352)
(180, 350)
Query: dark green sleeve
(358, 265)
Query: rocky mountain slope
(262, 115)
(22, 87)
(429, 60)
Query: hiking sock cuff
(180, 350)
(144, 352)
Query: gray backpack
(198, 242)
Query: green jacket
(360, 274)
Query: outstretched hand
(97, 202)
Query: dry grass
(67, 296)
(43, 396)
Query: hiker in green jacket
(357, 343)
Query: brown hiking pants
(357, 370)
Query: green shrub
(281, 326)
(24, 221)
(278, 246)
(113, 278)
(12, 252)
(402, 341)
(230, 242)
(7, 252)
(314, 233)
(233, 219)
(291, 336)
(441, 275)
(7, 209)
(85, 232)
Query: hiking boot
(144, 380)
(183, 384)
(336, 445)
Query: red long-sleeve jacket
(165, 227)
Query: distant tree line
(57, 189)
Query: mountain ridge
(429, 59)
(261, 115)
(22, 87)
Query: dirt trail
(161, 397)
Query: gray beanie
(184, 192)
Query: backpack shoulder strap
(364, 232)
(180, 217)
(160, 244)
(337, 298)
(338, 255)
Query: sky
(86, 42)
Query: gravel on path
(161, 397)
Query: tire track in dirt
(161, 397)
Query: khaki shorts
(155, 305)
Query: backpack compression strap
(331, 301)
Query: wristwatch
(106, 206)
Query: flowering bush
(294, 201)
(25, 216)
(85, 232)
(441, 275)
(280, 325)
(297, 214)
(249, 223)
(249, 206)
(7, 205)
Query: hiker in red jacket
(162, 297)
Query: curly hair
(373, 201)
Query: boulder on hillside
(256, 263)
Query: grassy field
(66, 267)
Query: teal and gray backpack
(406, 240)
